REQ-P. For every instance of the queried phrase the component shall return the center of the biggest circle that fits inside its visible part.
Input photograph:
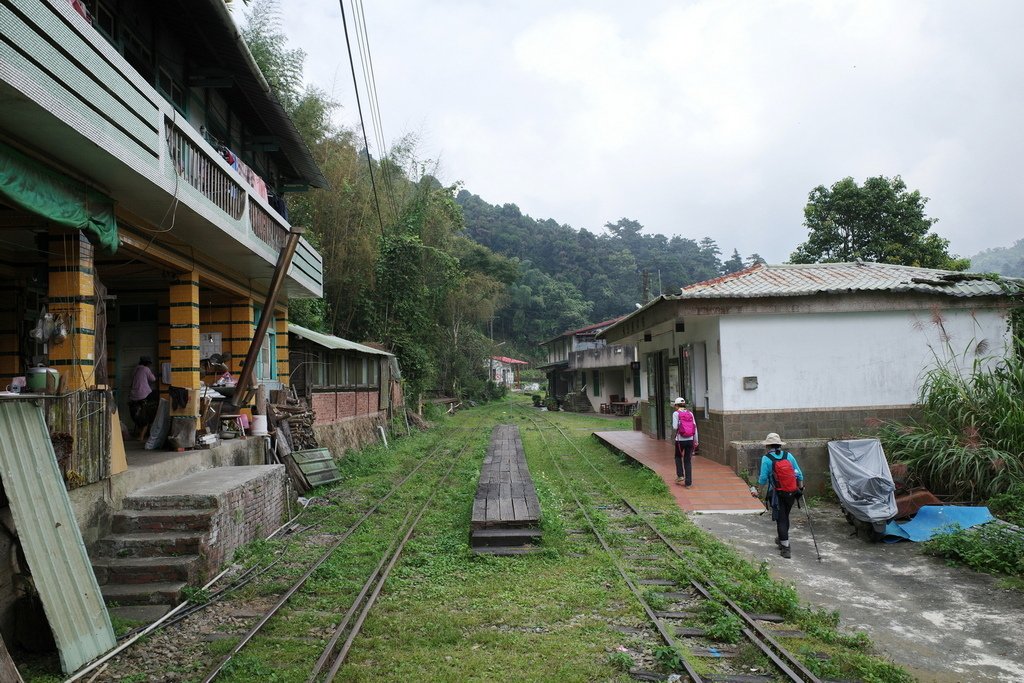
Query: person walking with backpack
(684, 425)
(780, 471)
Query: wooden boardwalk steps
(506, 512)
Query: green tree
(734, 264)
(878, 221)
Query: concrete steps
(148, 520)
(178, 533)
(135, 570)
(150, 544)
(152, 555)
(162, 593)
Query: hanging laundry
(179, 397)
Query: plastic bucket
(259, 425)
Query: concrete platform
(198, 487)
(716, 488)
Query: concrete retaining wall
(810, 454)
(351, 433)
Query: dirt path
(944, 624)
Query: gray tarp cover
(861, 479)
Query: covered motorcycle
(862, 480)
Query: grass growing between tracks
(749, 585)
(448, 615)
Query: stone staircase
(178, 533)
(151, 554)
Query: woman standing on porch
(139, 398)
(684, 426)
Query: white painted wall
(833, 360)
(703, 330)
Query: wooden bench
(506, 511)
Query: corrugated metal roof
(50, 537)
(763, 280)
(329, 341)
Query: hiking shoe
(786, 552)
(778, 543)
(688, 485)
(680, 480)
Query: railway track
(645, 557)
(332, 657)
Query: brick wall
(244, 514)
(335, 406)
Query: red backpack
(783, 474)
(687, 427)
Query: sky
(709, 118)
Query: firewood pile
(300, 425)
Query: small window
(172, 90)
(103, 20)
(138, 55)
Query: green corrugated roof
(329, 341)
(49, 535)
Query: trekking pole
(807, 510)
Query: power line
(362, 123)
(369, 77)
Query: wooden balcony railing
(267, 227)
(198, 168)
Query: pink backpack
(687, 427)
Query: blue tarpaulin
(932, 520)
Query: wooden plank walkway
(506, 511)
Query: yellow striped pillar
(71, 296)
(242, 327)
(281, 327)
(184, 317)
(163, 351)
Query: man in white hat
(684, 426)
(780, 471)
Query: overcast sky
(700, 119)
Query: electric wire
(369, 76)
(362, 122)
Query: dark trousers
(684, 457)
(783, 505)
(142, 412)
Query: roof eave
(293, 146)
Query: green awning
(33, 187)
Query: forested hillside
(1007, 261)
(569, 278)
